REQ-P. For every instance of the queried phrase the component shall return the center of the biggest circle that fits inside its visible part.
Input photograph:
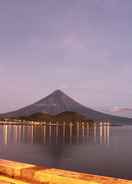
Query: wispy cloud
(83, 47)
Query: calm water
(102, 149)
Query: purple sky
(83, 47)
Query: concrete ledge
(7, 180)
(44, 175)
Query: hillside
(58, 102)
(65, 116)
(70, 116)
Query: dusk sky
(83, 47)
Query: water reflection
(79, 133)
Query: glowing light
(5, 134)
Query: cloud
(120, 110)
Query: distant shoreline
(31, 123)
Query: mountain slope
(68, 116)
(64, 116)
(59, 102)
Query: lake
(98, 149)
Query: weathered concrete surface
(44, 175)
(7, 180)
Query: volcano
(58, 102)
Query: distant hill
(58, 102)
(37, 117)
(64, 116)
(70, 116)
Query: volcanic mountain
(58, 102)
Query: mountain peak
(59, 102)
(58, 91)
(57, 94)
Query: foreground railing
(15, 172)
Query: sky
(83, 47)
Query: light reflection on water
(94, 148)
(56, 134)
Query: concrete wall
(36, 174)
